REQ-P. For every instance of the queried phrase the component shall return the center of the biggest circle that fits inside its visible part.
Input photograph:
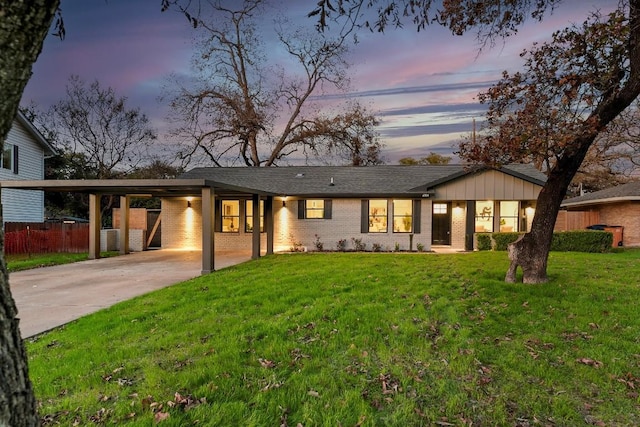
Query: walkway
(52, 296)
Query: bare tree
(98, 123)
(614, 158)
(244, 110)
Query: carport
(165, 188)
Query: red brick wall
(137, 218)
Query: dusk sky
(423, 86)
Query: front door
(441, 224)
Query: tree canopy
(551, 113)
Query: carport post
(94, 226)
(208, 246)
(124, 225)
(268, 223)
(255, 241)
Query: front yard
(357, 339)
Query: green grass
(27, 262)
(357, 340)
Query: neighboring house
(616, 206)
(23, 159)
(391, 207)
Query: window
(377, 216)
(403, 216)
(440, 208)
(248, 223)
(314, 209)
(230, 216)
(484, 217)
(10, 158)
(509, 217)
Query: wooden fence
(28, 238)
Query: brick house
(386, 206)
(274, 209)
(616, 206)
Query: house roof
(301, 181)
(40, 139)
(350, 181)
(620, 193)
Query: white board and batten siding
(488, 185)
(23, 205)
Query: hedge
(565, 241)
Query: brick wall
(137, 218)
(626, 214)
(344, 224)
(458, 225)
(182, 227)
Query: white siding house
(23, 159)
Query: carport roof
(142, 187)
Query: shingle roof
(624, 192)
(348, 181)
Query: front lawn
(28, 261)
(357, 339)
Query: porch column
(470, 225)
(255, 241)
(208, 247)
(268, 223)
(124, 225)
(94, 226)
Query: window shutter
(15, 159)
(327, 209)
(301, 206)
(364, 217)
(217, 218)
(416, 216)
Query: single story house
(386, 206)
(23, 159)
(615, 206)
(280, 208)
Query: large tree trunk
(531, 251)
(23, 27)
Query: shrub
(396, 247)
(318, 244)
(502, 240)
(564, 241)
(296, 246)
(358, 245)
(484, 241)
(376, 247)
(420, 247)
(341, 245)
(582, 241)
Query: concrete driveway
(52, 296)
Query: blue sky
(423, 85)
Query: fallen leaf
(589, 362)
(160, 416)
(265, 363)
